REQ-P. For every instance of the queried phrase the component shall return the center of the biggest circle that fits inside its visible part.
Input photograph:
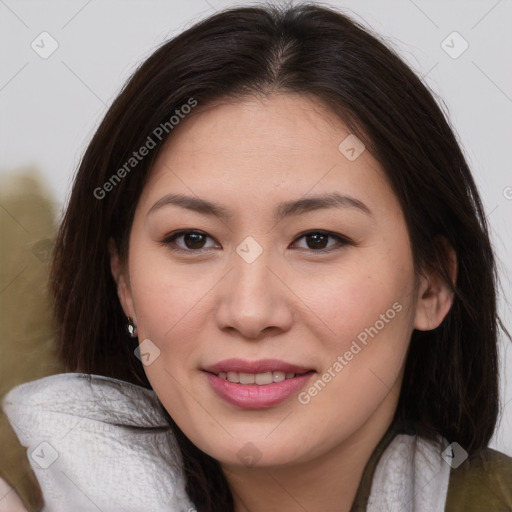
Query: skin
(291, 303)
(10, 501)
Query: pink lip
(254, 396)
(261, 366)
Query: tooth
(260, 379)
(278, 376)
(233, 377)
(246, 378)
(263, 378)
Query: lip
(261, 366)
(254, 396)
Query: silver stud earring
(131, 328)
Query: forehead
(287, 125)
(263, 148)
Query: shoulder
(481, 483)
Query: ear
(434, 296)
(120, 275)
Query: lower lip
(253, 396)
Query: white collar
(83, 459)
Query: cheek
(359, 296)
(170, 313)
(369, 310)
(169, 302)
(155, 280)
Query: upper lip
(260, 366)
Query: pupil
(193, 238)
(316, 237)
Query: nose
(253, 299)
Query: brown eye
(317, 241)
(193, 241)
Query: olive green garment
(482, 483)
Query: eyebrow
(282, 210)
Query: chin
(256, 452)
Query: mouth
(262, 372)
(258, 384)
(260, 379)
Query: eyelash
(169, 241)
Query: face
(309, 305)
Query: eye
(193, 240)
(316, 241)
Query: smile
(258, 384)
(261, 379)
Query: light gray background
(51, 107)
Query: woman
(276, 218)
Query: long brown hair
(450, 385)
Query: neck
(328, 483)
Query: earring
(131, 328)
